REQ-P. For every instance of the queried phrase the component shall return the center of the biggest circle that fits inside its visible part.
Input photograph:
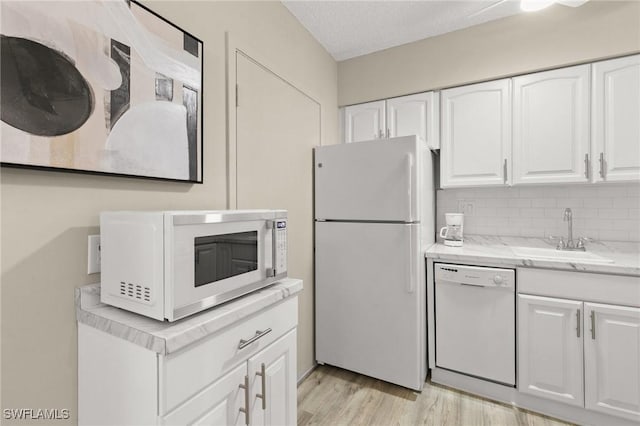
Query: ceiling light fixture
(534, 5)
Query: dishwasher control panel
(481, 276)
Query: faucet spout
(567, 216)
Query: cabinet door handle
(578, 322)
(593, 325)
(380, 134)
(504, 171)
(263, 395)
(244, 343)
(602, 171)
(245, 409)
(388, 133)
(586, 166)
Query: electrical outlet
(466, 206)
(93, 257)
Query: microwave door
(224, 256)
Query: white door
(272, 383)
(370, 308)
(476, 135)
(218, 404)
(374, 180)
(612, 360)
(364, 122)
(550, 339)
(551, 126)
(277, 127)
(415, 115)
(616, 119)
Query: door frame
(234, 46)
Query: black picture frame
(49, 117)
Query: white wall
(604, 212)
(550, 38)
(46, 216)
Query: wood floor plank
(331, 396)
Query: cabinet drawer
(192, 369)
(615, 289)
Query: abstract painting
(99, 86)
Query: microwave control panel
(280, 246)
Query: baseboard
(306, 373)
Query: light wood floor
(332, 396)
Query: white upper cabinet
(364, 122)
(551, 126)
(402, 116)
(415, 115)
(612, 360)
(476, 135)
(616, 119)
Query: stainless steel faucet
(567, 216)
(569, 244)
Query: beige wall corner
(554, 37)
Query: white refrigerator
(374, 210)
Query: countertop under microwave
(170, 264)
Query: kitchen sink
(558, 255)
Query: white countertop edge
(497, 251)
(164, 337)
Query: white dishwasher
(475, 321)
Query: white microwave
(170, 264)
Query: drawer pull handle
(263, 395)
(244, 343)
(245, 409)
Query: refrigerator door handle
(410, 184)
(412, 262)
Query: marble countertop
(167, 337)
(499, 251)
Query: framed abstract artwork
(100, 86)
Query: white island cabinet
(232, 365)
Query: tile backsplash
(603, 212)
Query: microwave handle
(271, 272)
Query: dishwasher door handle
(472, 285)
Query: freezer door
(373, 180)
(370, 313)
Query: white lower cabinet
(556, 335)
(612, 359)
(272, 383)
(550, 348)
(270, 395)
(243, 374)
(218, 404)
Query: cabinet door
(272, 383)
(550, 348)
(476, 135)
(612, 360)
(616, 119)
(218, 404)
(415, 115)
(364, 122)
(551, 126)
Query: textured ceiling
(353, 28)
